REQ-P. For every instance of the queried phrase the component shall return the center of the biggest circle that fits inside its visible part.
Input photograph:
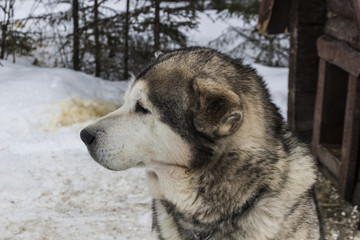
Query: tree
(245, 40)
(8, 12)
(157, 25)
(169, 21)
(97, 42)
(126, 40)
(92, 37)
(76, 37)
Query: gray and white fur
(219, 159)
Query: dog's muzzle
(87, 137)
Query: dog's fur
(220, 162)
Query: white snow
(50, 188)
(277, 82)
(211, 25)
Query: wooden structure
(305, 21)
(324, 85)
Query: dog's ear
(218, 111)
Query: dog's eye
(140, 109)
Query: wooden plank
(303, 57)
(329, 106)
(302, 77)
(334, 149)
(343, 8)
(350, 143)
(328, 175)
(333, 106)
(340, 54)
(307, 19)
(356, 4)
(304, 102)
(265, 15)
(318, 111)
(312, 12)
(280, 17)
(329, 160)
(344, 29)
(301, 113)
(274, 16)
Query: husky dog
(219, 159)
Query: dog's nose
(86, 137)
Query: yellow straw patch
(76, 110)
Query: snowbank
(276, 80)
(50, 188)
(32, 96)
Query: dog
(220, 162)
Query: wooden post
(343, 29)
(274, 16)
(328, 116)
(307, 19)
(318, 106)
(356, 4)
(350, 143)
(337, 109)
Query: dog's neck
(171, 183)
(191, 190)
(201, 213)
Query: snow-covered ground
(50, 188)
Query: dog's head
(175, 111)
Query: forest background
(112, 39)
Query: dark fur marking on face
(140, 109)
(164, 93)
(179, 117)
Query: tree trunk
(126, 37)
(97, 42)
(3, 40)
(76, 37)
(157, 26)
(7, 9)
